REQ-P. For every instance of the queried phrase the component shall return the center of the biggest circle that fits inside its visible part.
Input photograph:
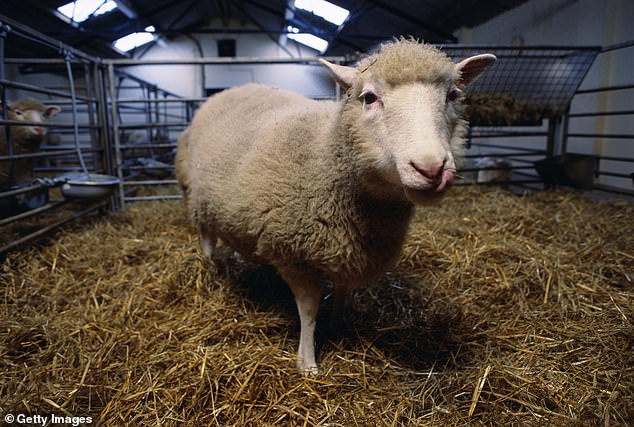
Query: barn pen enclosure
(511, 302)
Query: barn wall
(578, 23)
(186, 80)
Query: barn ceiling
(369, 21)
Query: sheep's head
(33, 111)
(404, 116)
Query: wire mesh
(526, 84)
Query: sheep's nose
(431, 171)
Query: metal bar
(503, 134)
(616, 46)
(115, 133)
(130, 109)
(105, 136)
(73, 96)
(34, 61)
(41, 124)
(550, 138)
(135, 110)
(506, 147)
(49, 228)
(42, 154)
(524, 49)
(604, 89)
(149, 118)
(221, 61)
(146, 125)
(5, 194)
(39, 89)
(65, 169)
(603, 113)
(494, 168)
(90, 91)
(598, 135)
(266, 31)
(531, 154)
(4, 29)
(566, 129)
(133, 146)
(31, 212)
(152, 182)
(511, 182)
(177, 100)
(137, 168)
(146, 198)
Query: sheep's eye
(453, 94)
(368, 97)
(18, 112)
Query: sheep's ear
(471, 68)
(51, 110)
(342, 74)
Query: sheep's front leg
(307, 291)
(208, 240)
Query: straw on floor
(504, 310)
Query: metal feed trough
(510, 102)
(539, 81)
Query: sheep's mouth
(430, 192)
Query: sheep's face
(31, 114)
(409, 133)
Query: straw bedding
(504, 310)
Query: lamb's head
(33, 111)
(404, 116)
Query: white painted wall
(577, 23)
(186, 80)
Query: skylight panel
(330, 12)
(307, 39)
(80, 10)
(134, 40)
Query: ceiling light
(330, 12)
(307, 39)
(81, 10)
(134, 40)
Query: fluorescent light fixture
(307, 39)
(330, 12)
(80, 10)
(134, 40)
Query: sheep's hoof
(207, 248)
(307, 370)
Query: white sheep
(322, 190)
(24, 138)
